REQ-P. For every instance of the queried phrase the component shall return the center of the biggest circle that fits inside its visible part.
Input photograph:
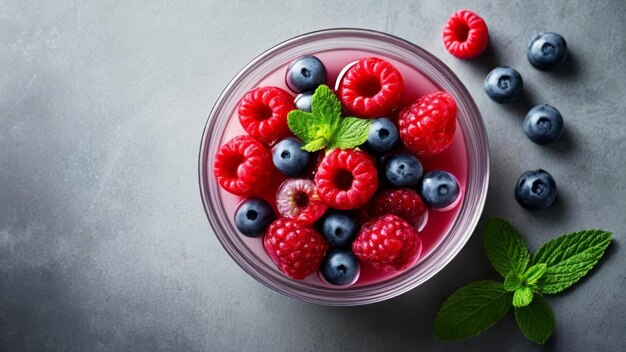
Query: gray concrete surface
(104, 245)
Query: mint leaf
(570, 257)
(505, 247)
(326, 106)
(522, 297)
(471, 310)
(351, 133)
(314, 145)
(534, 273)
(512, 281)
(536, 320)
(302, 124)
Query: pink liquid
(453, 159)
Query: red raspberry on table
(405, 203)
(263, 113)
(243, 166)
(465, 35)
(295, 248)
(387, 243)
(427, 126)
(371, 88)
(346, 179)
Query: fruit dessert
(344, 186)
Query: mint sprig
(324, 127)
(557, 265)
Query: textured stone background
(104, 245)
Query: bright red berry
(427, 126)
(243, 166)
(405, 203)
(346, 179)
(295, 248)
(465, 35)
(263, 113)
(371, 88)
(298, 199)
(388, 243)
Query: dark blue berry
(543, 124)
(383, 136)
(403, 170)
(340, 267)
(546, 50)
(253, 216)
(305, 74)
(289, 158)
(340, 228)
(503, 84)
(303, 101)
(439, 189)
(535, 190)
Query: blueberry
(535, 190)
(403, 170)
(439, 189)
(305, 74)
(383, 136)
(253, 216)
(546, 50)
(303, 101)
(289, 158)
(503, 84)
(543, 124)
(340, 228)
(340, 267)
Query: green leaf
(302, 124)
(534, 273)
(569, 258)
(522, 297)
(326, 106)
(351, 133)
(505, 247)
(314, 145)
(471, 310)
(512, 281)
(536, 320)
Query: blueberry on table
(535, 190)
(503, 84)
(543, 124)
(546, 50)
(305, 74)
(340, 228)
(340, 267)
(303, 101)
(383, 136)
(439, 189)
(253, 216)
(289, 158)
(403, 170)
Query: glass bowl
(254, 261)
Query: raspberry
(405, 203)
(243, 166)
(427, 126)
(387, 243)
(263, 113)
(298, 199)
(346, 179)
(371, 88)
(295, 248)
(465, 35)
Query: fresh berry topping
(371, 88)
(535, 190)
(543, 124)
(346, 179)
(289, 158)
(340, 267)
(404, 203)
(303, 101)
(427, 126)
(305, 74)
(403, 170)
(503, 84)
(439, 189)
(388, 243)
(253, 216)
(263, 113)
(546, 50)
(243, 166)
(382, 137)
(295, 248)
(340, 228)
(298, 199)
(465, 35)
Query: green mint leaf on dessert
(522, 297)
(536, 320)
(314, 145)
(299, 123)
(568, 258)
(325, 104)
(351, 132)
(534, 273)
(505, 247)
(471, 310)
(512, 281)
